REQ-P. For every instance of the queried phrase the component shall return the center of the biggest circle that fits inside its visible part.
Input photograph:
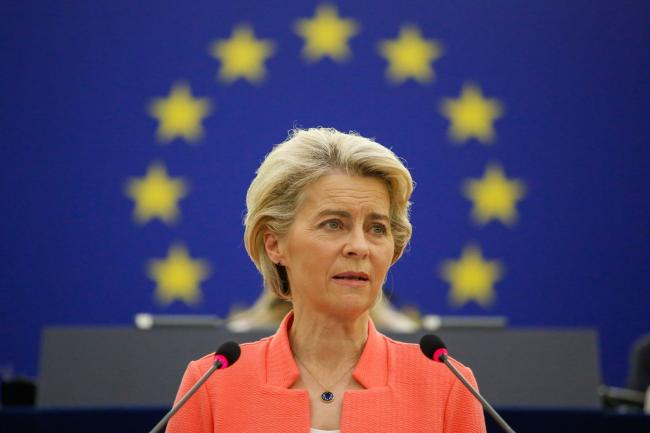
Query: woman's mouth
(351, 278)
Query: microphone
(433, 348)
(225, 356)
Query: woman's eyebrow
(345, 214)
(378, 216)
(333, 212)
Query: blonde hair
(275, 194)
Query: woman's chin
(351, 307)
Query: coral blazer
(404, 392)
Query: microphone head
(228, 353)
(433, 347)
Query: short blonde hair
(275, 194)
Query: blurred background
(130, 132)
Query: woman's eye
(333, 224)
(379, 229)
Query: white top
(315, 430)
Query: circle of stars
(243, 56)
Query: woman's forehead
(340, 192)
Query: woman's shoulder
(416, 367)
(251, 356)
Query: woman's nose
(357, 244)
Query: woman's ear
(272, 246)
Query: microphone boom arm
(189, 394)
(504, 425)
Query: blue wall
(78, 78)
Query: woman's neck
(325, 342)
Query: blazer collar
(281, 369)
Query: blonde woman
(327, 216)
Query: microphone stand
(504, 425)
(189, 394)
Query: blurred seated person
(639, 378)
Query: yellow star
(494, 196)
(156, 195)
(180, 115)
(242, 56)
(471, 277)
(178, 276)
(410, 56)
(471, 115)
(326, 34)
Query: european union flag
(131, 130)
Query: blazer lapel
(289, 407)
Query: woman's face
(339, 247)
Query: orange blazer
(404, 392)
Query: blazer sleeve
(196, 415)
(463, 413)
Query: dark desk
(109, 367)
(142, 420)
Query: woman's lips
(352, 274)
(351, 279)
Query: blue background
(77, 77)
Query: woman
(327, 217)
